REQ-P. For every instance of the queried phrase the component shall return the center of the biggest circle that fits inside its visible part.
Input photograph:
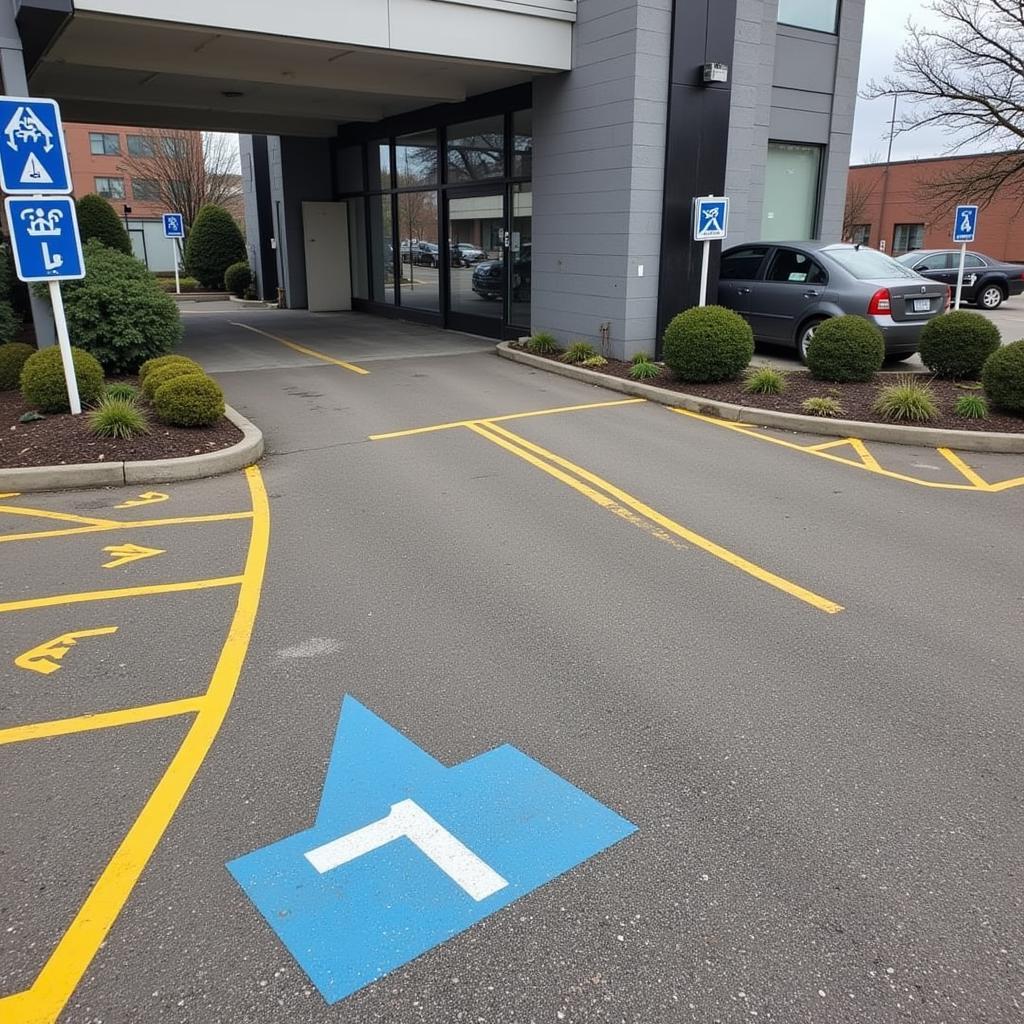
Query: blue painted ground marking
(406, 853)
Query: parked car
(488, 277)
(784, 290)
(469, 253)
(988, 283)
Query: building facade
(896, 207)
(495, 166)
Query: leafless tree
(966, 75)
(187, 169)
(858, 196)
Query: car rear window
(868, 264)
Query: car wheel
(991, 297)
(805, 336)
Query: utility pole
(888, 161)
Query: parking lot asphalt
(795, 669)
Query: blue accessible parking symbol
(405, 853)
(174, 225)
(966, 223)
(44, 238)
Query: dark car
(469, 253)
(784, 290)
(987, 282)
(488, 277)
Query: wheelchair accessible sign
(405, 853)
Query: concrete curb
(152, 471)
(890, 433)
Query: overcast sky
(884, 32)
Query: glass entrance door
(478, 279)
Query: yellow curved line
(44, 1001)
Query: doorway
(325, 234)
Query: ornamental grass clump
(117, 418)
(971, 407)
(764, 380)
(578, 352)
(644, 369)
(827, 407)
(908, 400)
(543, 344)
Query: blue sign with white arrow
(405, 853)
(710, 218)
(44, 238)
(174, 225)
(966, 224)
(33, 157)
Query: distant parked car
(987, 282)
(469, 253)
(784, 290)
(488, 277)
(427, 254)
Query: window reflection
(416, 159)
(476, 150)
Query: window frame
(910, 225)
(109, 178)
(154, 198)
(834, 31)
(103, 138)
(147, 139)
(819, 185)
(785, 249)
(768, 249)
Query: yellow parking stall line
(134, 524)
(866, 457)
(966, 471)
(1006, 485)
(10, 494)
(323, 357)
(100, 720)
(504, 418)
(549, 463)
(841, 442)
(112, 595)
(44, 513)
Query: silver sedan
(784, 290)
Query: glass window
(145, 189)
(907, 237)
(972, 262)
(937, 261)
(350, 169)
(382, 250)
(476, 150)
(742, 264)
(820, 15)
(110, 188)
(521, 253)
(794, 267)
(421, 256)
(790, 192)
(104, 144)
(357, 248)
(174, 146)
(140, 145)
(868, 264)
(380, 164)
(522, 144)
(416, 159)
(860, 234)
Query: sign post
(174, 228)
(964, 228)
(44, 228)
(710, 224)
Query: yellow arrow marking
(43, 658)
(146, 498)
(125, 553)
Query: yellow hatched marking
(548, 462)
(323, 357)
(961, 467)
(45, 513)
(134, 524)
(100, 720)
(10, 494)
(113, 595)
(841, 442)
(866, 457)
(44, 1001)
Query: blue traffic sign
(174, 225)
(44, 238)
(966, 224)
(406, 853)
(710, 218)
(33, 157)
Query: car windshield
(868, 264)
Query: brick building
(896, 204)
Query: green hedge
(708, 343)
(97, 220)
(846, 349)
(155, 364)
(43, 384)
(214, 244)
(1002, 377)
(956, 345)
(237, 278)
(12, 359)
(191, 400)
(162, 374)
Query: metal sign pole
(57, 301)
(177, 279)
(704, 267)
(960, 274)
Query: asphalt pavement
(795, 669)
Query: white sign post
(710, 224)
(964, 228)
(174, 229)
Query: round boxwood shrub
(12, 359)
(213, 245)
(191, 400)
(1002, 377)
(161, 375)
(237, 278)
(42, 379)
(846, 349)
(708, 343)
(118, 312)
(956, 345)
(96, 219)
(160, 361)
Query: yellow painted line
(134, 524)
(100, 720)
(865, 455)
(113, 595)
(44, 513)
(305, 351)
(961, 467)
(842, 442)
(44, 1001)
(1006, 485)
(534, 453)
(46, 657)
(10, 494)
(509, 416)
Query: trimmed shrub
(97, 219)
(1002, 377)
(155, 364)
(118, 312)
(828, 407)
(971, 407)
(214, 244)
(846, 349)
(906, 399)
(578, 352)
(187, 284)
(42, 379)
(237, 278)
(543, 344)
(192, 400)
(764, 380)
(956, 345)
(162, 374)
(12, 359)
(117, 417)
(644, 370)
(708, 343)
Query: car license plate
(922, 305)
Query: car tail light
(881, 303)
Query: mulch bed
(63, 439)
(856, 399)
